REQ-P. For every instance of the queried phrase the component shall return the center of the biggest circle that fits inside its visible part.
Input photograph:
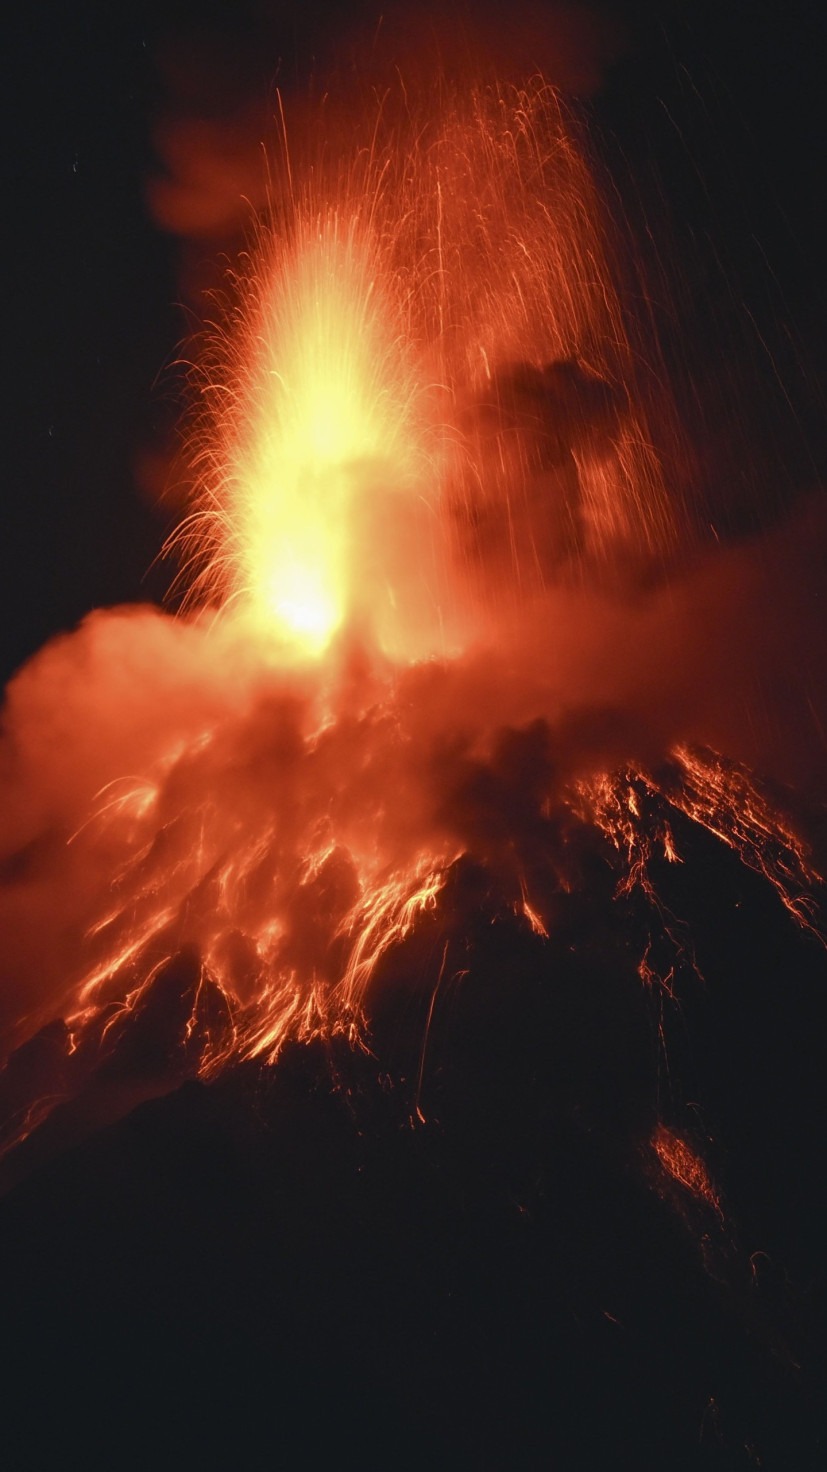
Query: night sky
(278, 1271)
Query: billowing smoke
(136, 704)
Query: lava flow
(432, 471)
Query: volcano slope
(546, 1214)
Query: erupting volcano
(411, 803)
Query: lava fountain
(426, 450)
(428, 382)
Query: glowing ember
(685, 1166)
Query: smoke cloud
(730, 654)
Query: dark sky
(709, 122)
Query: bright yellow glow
(358, 461)
(326, 401)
